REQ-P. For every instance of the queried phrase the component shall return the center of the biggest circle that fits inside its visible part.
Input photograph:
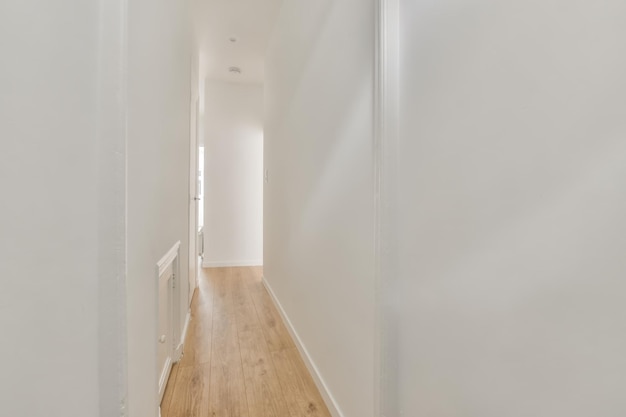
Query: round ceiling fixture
(234, 70)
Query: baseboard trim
(224, 264)
(178, 354)
(163, 378)
(308, 361)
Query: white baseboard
(223, 264)
(178, 354)
(308, 361)
(163, 378)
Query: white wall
(159, 68)
(61, 248)
(319, 202)
(233, 198)
(65, 117)
(512, 159)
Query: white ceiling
(249, 21)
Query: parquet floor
(239, 360)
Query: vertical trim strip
(386, 136)
(111, 135)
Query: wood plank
(264, 393)
(245, 310)
(169, 391)
(225, 339)
(253, 274)
(197, 348)
(218, 277)
(203, 295)
(276, 334)
(301, 394)
(191, 393)
(227, 393)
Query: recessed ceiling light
(234, 70)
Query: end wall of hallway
(233, 194)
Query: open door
(194, 197)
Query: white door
(194, 198)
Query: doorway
(196, 215)
(233, 175)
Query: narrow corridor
(239, 360)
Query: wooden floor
(239, 359)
